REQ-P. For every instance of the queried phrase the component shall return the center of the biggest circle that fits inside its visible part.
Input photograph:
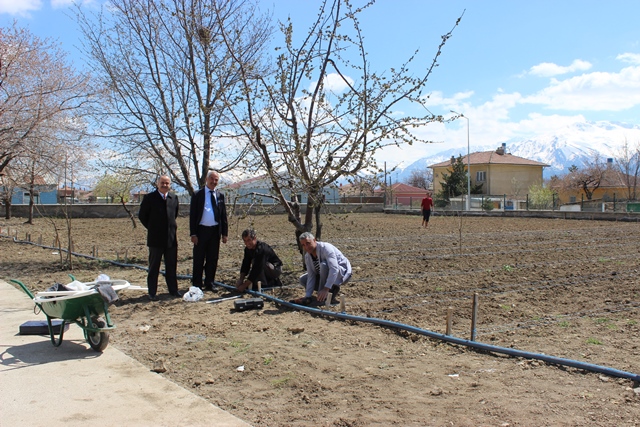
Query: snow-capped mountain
(570, 146)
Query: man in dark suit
(158, 213)
(208, 225)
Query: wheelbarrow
(86, 308)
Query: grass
(564, 324)
(594, 341)
(280, 382)
(505, 307)
(239, 346)
(508, 268)
(266, 360)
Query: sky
(514, 69)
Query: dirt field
(563, 288)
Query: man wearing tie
(158, 213)
(208, 225)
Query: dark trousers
(170, 264)
(268, 276)
(205, 256)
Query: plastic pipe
(395, 325)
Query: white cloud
(548, 69)
(333, 82)
(62, 3)
(631, 58)
(437, 98)
(19, 7)
(598, 91)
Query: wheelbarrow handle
(24, 288)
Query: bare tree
(119, 186)
(628, 163)
(587, 178)
(323, 113)
(39, 90)
(421, 178)
(170, 79)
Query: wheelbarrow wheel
(98, 340)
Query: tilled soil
(562, 288)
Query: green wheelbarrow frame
(85, 310)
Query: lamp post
(468, 162)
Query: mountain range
(571, 145)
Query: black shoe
(302, 301)
(335, 290)
(153, 298)
(209, 288)
(176, 294)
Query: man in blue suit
(158, 213)
(208, 225)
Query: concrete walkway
(72, 385)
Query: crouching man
(327, 270)
(260, 264)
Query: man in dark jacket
(158, 213)
(260, 264)
(207, 226)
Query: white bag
(76, 286)
(194, 294)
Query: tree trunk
(7, 208)
(30, 220)
(131, 217)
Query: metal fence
(483, 202)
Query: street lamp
(468, 162)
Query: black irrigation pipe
(401, 326)
(459, 341)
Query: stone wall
(118, 211)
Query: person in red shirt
(427, 204)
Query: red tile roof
(494, 158)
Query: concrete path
(72, 385)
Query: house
(499, 172)
(614, 185)
(44, 189)
(259, 190)
(405, 195)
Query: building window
(26, 198)
(481, 176)
(572, 199)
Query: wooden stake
(259, 286)
(40, 240)
(94, 251)
(474, 316)
(449, 319)
(342, 303)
